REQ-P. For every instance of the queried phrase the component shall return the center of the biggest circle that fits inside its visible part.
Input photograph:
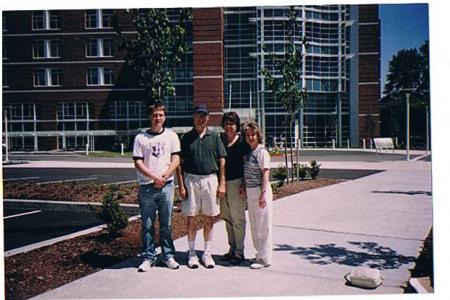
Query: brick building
(66, 84)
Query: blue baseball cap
(201, 109)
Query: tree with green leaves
(156, 49)
(287, 88)
(408, 72)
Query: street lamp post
(407, 125)
(408, 94)
(427, 129)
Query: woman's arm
(264, 187)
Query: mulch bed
(73, 191)
(35, 272)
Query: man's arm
(181, 189)
(174, 163)
(221, 187)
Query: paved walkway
(319, 235)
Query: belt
(152, 183)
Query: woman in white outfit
(259, 196)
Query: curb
(131, 209)
(59, 239)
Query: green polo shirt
(200, 155)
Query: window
(91, 19)
(107, 18)
(93, 76)
(74, 111)
(108, 78)
(38, 20)
(39, 49)
(22, 111)
(108, 47)
(46, 49)
(99, 48)
(40, 77)
(47, 77)
(99, 18)
(45, 20)
(100, 76)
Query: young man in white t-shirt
(156, 157)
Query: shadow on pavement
(114, 262)
(373, 255)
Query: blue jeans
(153, 200)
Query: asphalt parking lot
(28, 226)
(82, 175)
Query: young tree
(408, 69)
(156, 49)
(287, 88)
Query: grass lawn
(110, 154)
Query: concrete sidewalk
(319, 235)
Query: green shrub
(274, 151)
(274, 188)
(303, 171)
(280, 174)
(111, 213)
(315, 169)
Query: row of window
(51, 77)
(78, 110)
(50, 20)
(51, 48)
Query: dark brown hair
(232, 117)
(156, 106)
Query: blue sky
(403, 26)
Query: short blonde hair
(253, 125)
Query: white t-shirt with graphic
(255, 162)
(155, 149)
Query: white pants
(261, 223)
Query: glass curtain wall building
(325, 71)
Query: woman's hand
(242, 192)
(262, 200)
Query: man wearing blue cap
(201, 178)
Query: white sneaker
(208, 261)
(193, 262)
(145, 265)
(171, 263)
(259, 264)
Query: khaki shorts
(201, 195)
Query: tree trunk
(292, 157)
(286, 159)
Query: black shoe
(227, 257)
(237, 260)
